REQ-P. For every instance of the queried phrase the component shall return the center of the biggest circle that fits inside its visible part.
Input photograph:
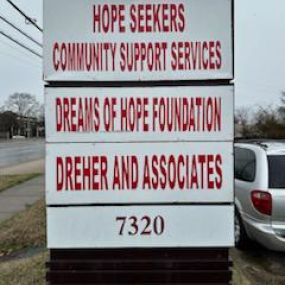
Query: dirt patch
(252, 266)
(239, 278)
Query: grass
(22, 247)
(8, 181)
(26, 271)
(24, 230)
(238, 277)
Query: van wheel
(241, 238)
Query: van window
(276, 165)
(245, 164)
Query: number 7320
(144, 226)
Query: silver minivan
(260, 194)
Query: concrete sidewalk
(15, 199)
(36, 166)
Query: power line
(29, 19)
(19, 57)
(20, 31)
(20, 44)
(19, 60)
(19, 50)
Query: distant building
(13, 125)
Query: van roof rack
(257, 141)
(263, 142)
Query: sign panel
(147, 40)
(126, 173)
(140, 227)
(139, 114)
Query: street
(15, 152)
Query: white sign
(127, 173)
(140, 227)
(147, 40)
(139, 114)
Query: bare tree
(267, 123)
(28, 111)
(23, 104)
(242, 122)
(281, 109)
(41, 113)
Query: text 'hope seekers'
(144, 18)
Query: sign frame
(180, 228)
(220, 112)
(154, 76)
(127, 80)
(111, 159)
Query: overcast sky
(259, 61)
(20, 71)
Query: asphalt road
(20, 151)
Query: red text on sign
(144, 18)
(138, 114)
(81, 173)
(77, 114)
(145, 173)
(107, 16)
